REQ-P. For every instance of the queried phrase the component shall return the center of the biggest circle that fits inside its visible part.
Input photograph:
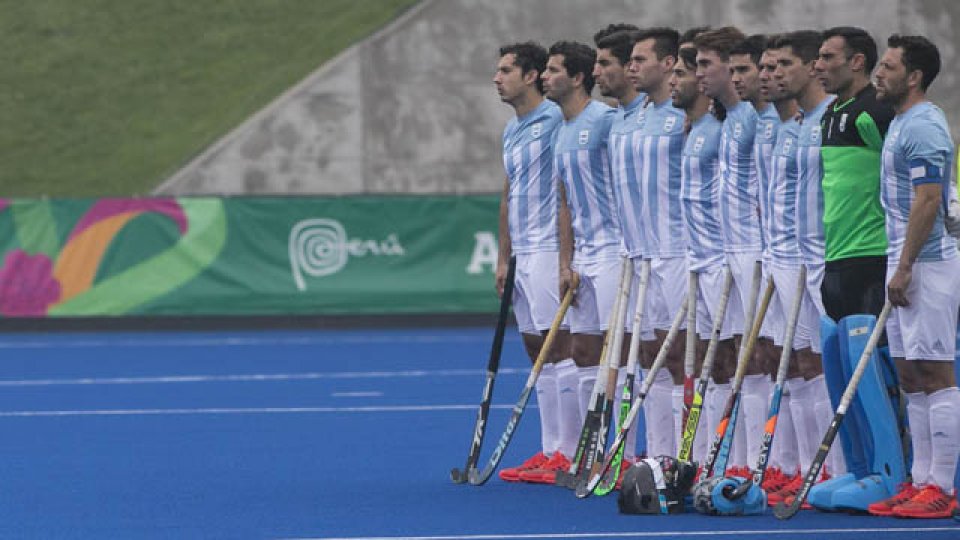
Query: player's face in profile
(684, 88)
(791, 74)
(644, 70)
(557, 84)
(509, 78)
(891, 76)
(712, 72)
(832, 66)
(609, 75)
(745, 76)
(768, 64)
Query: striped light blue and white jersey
(583, 163)
(767, 123)
(780, 220)
(809, 185)
(532, 193)
(625, 161)
(661, 146)
(701, 194)
(918, 150)
(738, 190)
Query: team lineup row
(772, 160)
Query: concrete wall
(412, 109)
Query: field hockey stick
(477, 477)
(785, 511)
(593, 419)
(626, 399)
(766, 441)
(696, 407)
(716, 461)
(459, 476)
(690, 354)
(585, 488)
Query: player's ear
(858, 62)
(578, 79)
(530, 77)
(914, 78)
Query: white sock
(918, 412)
(784, 451)
(547, 401)
(676, 408)
(823, 411)
(804, 423)
(944, 436)
(658, 409)
(715, 402)
(738, 450)
(754, 402)
(568, 401)
(588, 379)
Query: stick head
(458, 476)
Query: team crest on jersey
(669, 123)
(584, 137)
(642, 115)
(737, 129)
(536, 130)
(815, 136)
(843, 122)
(787, 144)
(768, 130)
(698, 144)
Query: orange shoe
(513, 473)
(739, 472)
(886, 506)
(546, 473)
(803, 506)
(931, 502)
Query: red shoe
(738, 472)
(624, 465)
(803, 506)
(886, 506)
(546, 473)
(930, 502)
(789, 490)
(774, 480)
(513, 473)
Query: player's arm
(565, 234)
(872, 130)
(505, 248)
(928, 193)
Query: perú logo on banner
(320, 247)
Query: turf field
(108, 97)
(327, 434)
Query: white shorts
(596, 294)
(536, 295)
(785, 280)
(774, 320)
(927, 328)
(742, 267)
(646, 328)
(667, 291)
(709, 292)
(811, 310)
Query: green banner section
(248, 256)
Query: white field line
(772, 533)
(258, 377)
(236, 341)
(248, 410)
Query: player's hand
(897, 288)
(952, 220)
(501, 277)
(566, 281)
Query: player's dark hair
(918, 54)
(578, 58)
(688, 55)
(613, 29)
(665, 40)
(753, 45)
(691, 34)
(805, 44)
(619, 43)
(721, 41)
(855, 40)
(528, 56)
